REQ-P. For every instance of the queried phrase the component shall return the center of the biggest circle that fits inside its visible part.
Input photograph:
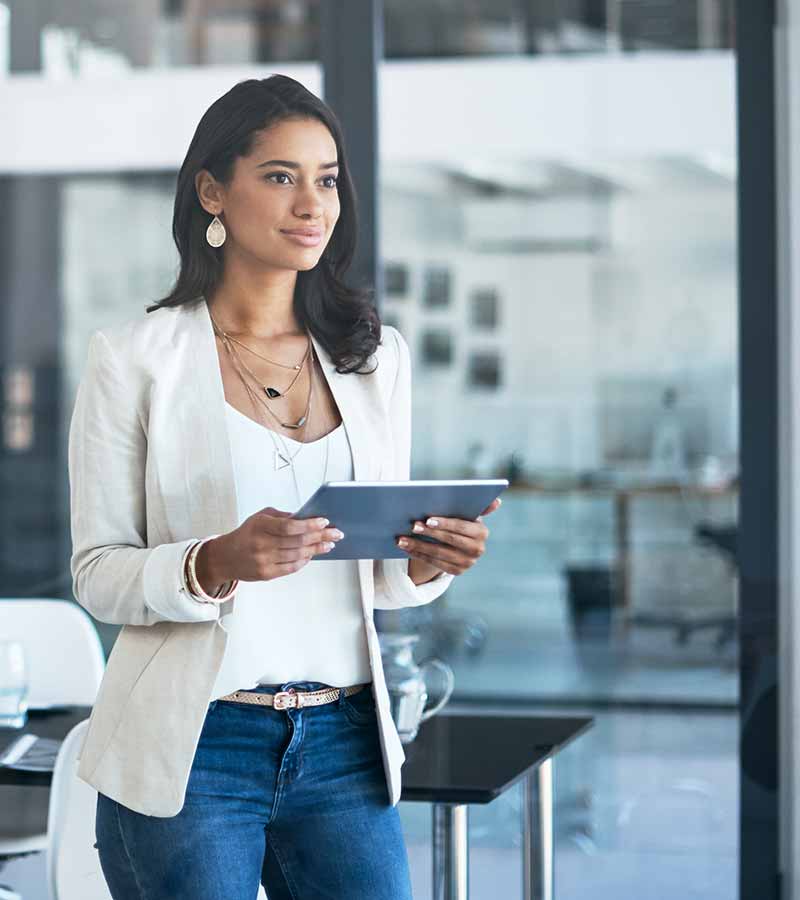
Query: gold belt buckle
(286, 699)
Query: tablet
(372, 514)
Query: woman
(232, 748)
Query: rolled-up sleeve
(116, 577)
(393, 586)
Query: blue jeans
(295, 799)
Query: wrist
(421, 572)
(210, 566)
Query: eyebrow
(293, 165)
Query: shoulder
(142, 336)
(394, 347)
(391, 359)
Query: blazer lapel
(208, 449)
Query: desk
(456, 760)
(56, 723)
(623, 497)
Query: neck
(258, 305)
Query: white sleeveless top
(307, 625)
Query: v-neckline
(277, 434)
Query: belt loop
(340, 701)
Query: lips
(303, 232)
(305, 237)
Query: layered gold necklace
(260, 399)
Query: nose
(309, 204)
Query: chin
(310, 266)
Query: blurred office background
(557, 218)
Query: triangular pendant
(272, 392)
(281, 462)
(300, 422)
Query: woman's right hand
(269, 544)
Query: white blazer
(151, 470)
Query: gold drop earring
(215, 233)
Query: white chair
(65, 663)
(73, 865)
(64, 655)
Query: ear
(209, 192)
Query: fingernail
(329, 546)
(338, 535)
(418, 527)
(432, 523)
(322, 522)
(403, 542)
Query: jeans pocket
(360, 708)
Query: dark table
(456, 760)
(46, 723)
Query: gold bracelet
(194, 584)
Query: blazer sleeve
(393, 586)
(116, 577)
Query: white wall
(583, 108)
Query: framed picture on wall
(483, 370)
(436, 287)
(436, 348)
(395, 277)
(483, 307)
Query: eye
(333, 178)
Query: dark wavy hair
(341, 317)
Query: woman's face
(286, 184)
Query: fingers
(447, 560)
(281, 525)
(449, 530)
(459, 541)
(282, 557)
(271, 511)
(446, 552)
(492, 506)
(304, 540)
(281, 569)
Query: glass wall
(567, 282)
(105, 37)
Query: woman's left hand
(464, 541)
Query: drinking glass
(13, 685)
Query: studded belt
(292, 698)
